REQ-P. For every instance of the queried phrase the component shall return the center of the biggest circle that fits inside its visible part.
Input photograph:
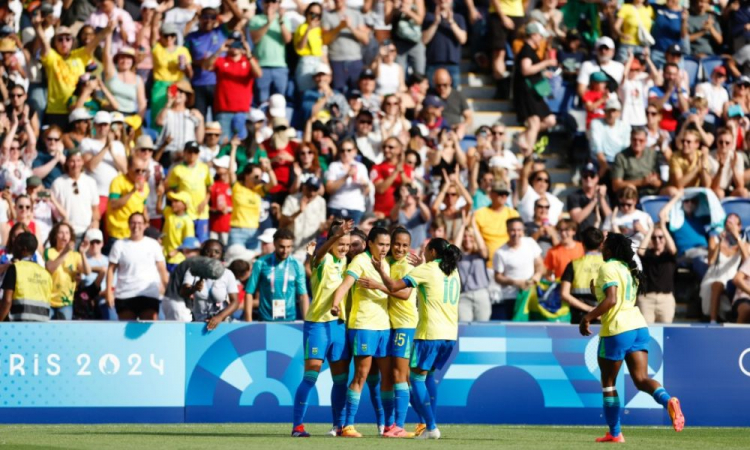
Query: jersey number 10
(451, 290)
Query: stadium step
(483, 104)
(489, 118)
(477, 79)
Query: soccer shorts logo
(364, 347)
(315, 350)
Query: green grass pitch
(276, 437)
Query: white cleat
(381, 429)
(333, 432)
(429, 434)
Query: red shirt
(385, 202)
(234, 85)
(220, 193)
(282, 170)
(598, 113)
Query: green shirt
(241, 158)
(271, 50)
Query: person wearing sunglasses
(128, 195)
(308, 43)
(690, 167)
(532, 185)
(347, 183)
(727, 167)
(77, 195)
(588, 205)
(172, 63)
(627, 220)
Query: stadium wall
(94, 372)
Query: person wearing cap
(714, 91)
(443, 33)
(178, 227)
(367, 85)
(210, 147)
(94, 284)
(271, 32)
(266, 241)
(63, 66)
(491, 220)
(172, 63)
(123, 83)
(78, 195)
(670, 28)
(304, 214)
(588, 205)
(674, 55)
(637, 165)
(595, 97)
(670, 97)
(456, 111)
(235, 74)
(609, 135)
(65, 265)
(13, 62)
(80, 128)
(308, 44)
(431, 115)
(128, 194)
(193, 178)
(220, 203)
(603, 62)
(107, 11)
(345, 33)
(180, 122)
(632, 20)
(103, 157)
(317, 98)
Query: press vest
(31, 297)
(585, 269)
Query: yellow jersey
(64, 277)
(491, 225)
(314, 45)
(62, 77)
(624, 316)
(246, 206)
(195, 181)
(117, 219)
(438, 310)
(369, 306)
(176, 229)
(325, 279)
(403, 313)
(167, 64)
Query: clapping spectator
(451, 203)
(66, 267)
(390, 76)
(304, 214)
(690, 167)
(659, 260)
(533, 185)
(539, 228)
(669, 98)
(727, 167)
(393, 123)
(345, 33)
(306, 165)
(270, 33)
(474, 303)
(589, 206)
(347, 184)
(78, 196)
(128, 193)
(172, 63)
(103, 156)
(443, 33)
(180, 123)
(704, 29)
(412, 214)
(627, 220)
(388, 177)
(50, 158)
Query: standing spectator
(308, 43)
(78, 196)
(704, 29)
(539, 228)
(123, 33)
(609, 136)
(671, 99)
(48, 164)
(456, 111)
(104, 157)
(390, 76)
(444, 32)
(727, 167)
(689, 236)
(505, 19)
(305, 215)
(279, 281)
(144, 150)
(392, 119)
(481, 188)
(194, 178)
(172, 63)
(595, 97)
(388, 177)
(659, 261)
(347, 184)
(220, 204)
(741, 301)
(138, 262)
(491, 220)
(95, 283)
(201, 44)
(714, 91)
(406, 23)
(127, 196)
(535, 185)
(633, 20)
(180, 123)
(16, 162)
(474, 303)
(603, 62)
(565, 251)
(26, 286)
(281, 150)
(181, 17)
(411, 213)
(696, 120)
(637, 166)
(213, 300)
(271, 33)
(125, 86)
(635, 87)
(670, 28)
(247, 193)
(369, 143)
(320, 96)
(575, 283)
(589, 206)
(518, 266)
(307, 165)
(627, 220)
(66, 266)
(690, 167)
(345, 34)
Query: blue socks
(401, 403)
(352, 405)
(303, 393)
(612, 414)
(389, 403)
(432, 390)
(338, 399)
(415, 404)
(661, 396)
(422, 397)
(373, 381)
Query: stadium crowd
(137, 134)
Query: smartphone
(172, 90)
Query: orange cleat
(619, 439)
(419, 429)
(350, 432)
(675, 413)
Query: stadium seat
(708, 64)
(739, 206)
(652, 204)
(562, 98)
(692, 66)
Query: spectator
(609, 136)
(670, 28)
(589, 206)
(689, 235)
(637, 165)
(534, 185)
(452, 202)
(178, 228)
(127, 196)
(270, 33)
(95, 283)
(125, 86)
(634, 89)
(518, 266)
(214, 301)
(347, 184)
(659, 260)
(406, 23)
(220, 204)
(104, 157)
(393, 122)
(308, 43)
(66, 266)
(304, 214)
(123, 33)
(174, 305)
(739, 104)
(456, 111)
(627, 220)
(48, 164)
(80, 128)
(491, 220)
(248, 150)
(714, 91)
(431, 115)
(443, 34)
(182, 18)
(247, 193)
(26, 286)
(320, 97)
(389, 75)
(366, 85)
(345, 33)
(539, 229)
(210, 148)
(279, 281)
(568, 249)
(138, 262)
(690, 167)
(595, 97)
(27, 118)
(727, 167)
(17, 161)
(412, 213)
(78, 196)
(696, 120)
(172, 63)
(447, 157)
(547, 14)
(656, 137)
(180, 124)
(481, 188)
(671, 99)
(576, 280)
(46, 210)
(704, 29)
(529, 79)
(281, 150)
(24, 214)
(388, 177)
(741, 301)
(602, 62)
(474, 303)
(634, 22)
(306, 165)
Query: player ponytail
(621, 248)
(448, 254)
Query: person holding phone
(308, 43)
(172, 63)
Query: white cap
(79, 114)
(323, 68)
(94, 234)
(149, 4)
(500, 162)
(267, 236)
(238, 251)
(102, 117)
(222, 162)
(256, 115)
(613, 103)
(277, 105)
(117, 116)
(605, 41)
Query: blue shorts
(431, 355)
(369, 342)
(616, 347)
(325, 340)
(401, 342)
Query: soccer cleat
(350, 432)
(620, 439)
(335, 431)
(299, 431)
(397, 432)
(388, 428)
(430, 434)
(675, 413)
(419, 429)
(381, 429)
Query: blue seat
(562, 98)
(739, 206)
(691, 67)
(709, 63)
(653, 204)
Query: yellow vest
(585, 269)
(32, 294)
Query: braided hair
(620, 248)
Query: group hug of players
(379, 308)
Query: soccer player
(439, 288)
(369, 324)
(324, 335)
(624, 333)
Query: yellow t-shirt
(511, 8)
(195, 181)
(629, 15)
(624, 316)
(64, 277)
(246, 206)
(438, 310)
(314, 45)
(492, 227)
(62, 77)
(176, 229)
(325, 279)
(369, 306)
(117, 219)
(167, 64)
(403, 313)
(678, 161)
